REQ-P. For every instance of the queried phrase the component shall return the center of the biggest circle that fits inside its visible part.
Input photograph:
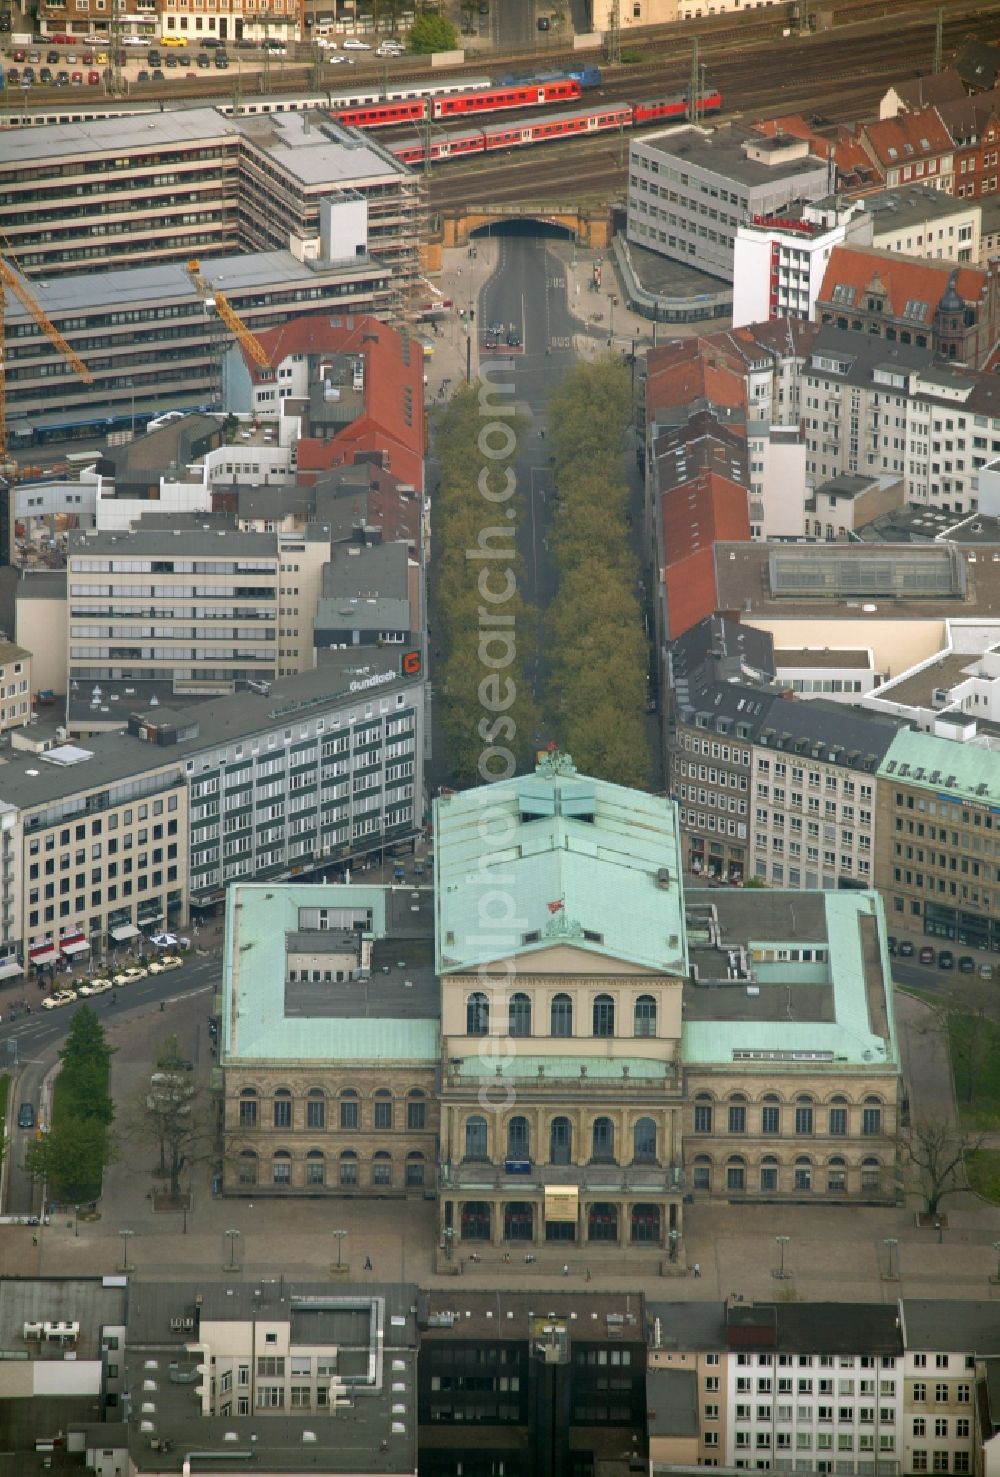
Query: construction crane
(230, 318)
(9, 278)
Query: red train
(457, 143)
(460, 104)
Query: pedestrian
(34, 1240)
(368, 1264)
(565, 1269)
(696, 1269)
(163, 1005)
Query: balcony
(518, 1175)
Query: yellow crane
(9, 278)
(230, 318)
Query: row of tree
(483, 629)
(596, 645)
(72, 1156)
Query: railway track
(820, 74)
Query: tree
(71, 1159)
(432, 33)
(935, 1155)
(86, 1058)
(974, 1039)
(167, 1115)
(85, 1041)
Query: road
(29, 1048)
(515, 24)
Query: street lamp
(890, 1243)
(76, 1222)
(340, 1246)
(233, 1238)
(125, 1235)
(782, 1242)
(449, 1242)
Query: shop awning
(9, 968)
(124, 931)
(78, 946)
(44, 956)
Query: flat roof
(947, 1325)
(43, 584)
(83, 1300)
(317, 151)
(125, 132)
(912, 205)
(917, 689)
(358, 1023)
(837, 1002)
(672, 1402)
(825, 656)
(847, 484)
(720, 151)
(198, 539)
(451, 1314)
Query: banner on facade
(561, 1204)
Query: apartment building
(691, 188)
(938, 857)
(75, 198)
(15, 686)
(890, 409)
(328, 1374)
(214, 590)
(786, 1386)
(944, 1340)
(330, 1044)
(953, 310)
(527, 1384)
(910, 148)
(102, 838)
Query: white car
(325, 44)
(391, 48)
(353, 45)
(136, 41)
(95, 987)
(161, 966)
(333, 61)
(61, 997)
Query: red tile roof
(691, 370)
(695, 516)
(906, 279)
(393, 417)
(907, 138)
(795, 125)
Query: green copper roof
(556, 857)
(254, 1024)
(945, 766)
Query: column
(496, 1222)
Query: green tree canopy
(431, 32)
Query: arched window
(316, 1108)
(736, 1172)
(770, 1114)
(475, 1138)
(602, 1221)
(248, 1167)
(560, 1141)
(804, 1115)
(604, 1015)
(381, 1168)
(836, 1175)
(281, 1167)
(519, 1014)
(803, 1173)
(476, 1220)
(477, 1014)
(703, 1113)
(701, 1176)
(871, 1117)
(768, 1172)
(517, 1138)
(282, 1108)
(350, 1109)
(562, 1015)
(315, 1167)
(415, 1167)
(645, 1016)
(348, 1167)
(248, 1108)
(737, 1113)
(644, 1141)
(871, 1174)
(603, 1142)
(416, 1109)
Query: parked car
(221, 61)
(906, 949)
(183, 59)
(35, 57)
(14, 77)
(173, 41)
(88, 58)
(966, 964)
(157, 75)
(62, 79)
(28, 76)
(101, 58)
(203, 59)
(52, 57)
(354, 45)
(893, 945)
(153, 57)
(71, 58)
(61, 997)
(95, 987)
(170, 961)
(211, 42)
(20, 55)
(544, 23)
(927, 955)
(986, 971)
(26, 1116)
(45, 76)
(946, 959)
(170, 60)
(142, 76)
(513, 339)
(93, 78)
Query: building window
(282, 1108)
(281, 1168)
(382, 1169)
(476, 1139)
(803, 1174)
(702, 1117)
(603, 1142)
(803, 1118)
(248, 1108)
(735, 1175)
(315, 1168)
(770, 1119)
(248, 1167)
(919, 1461)
(316, 1109)
(383, 1109)
(560, 1141)
(518, 1146)
(644, 1141)
(769, 1174)
(350, 1109)
(414, 1168)
(561, 1016)
(416, 1110)
(737, 1118)
(701, 1173)
(645, 1016)
(348, 1167)
(477, 1015)
(519, 1015)
(604, 1015)
(838, 1122)
(871, 1119)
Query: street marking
(560, 343)
(557, 281)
